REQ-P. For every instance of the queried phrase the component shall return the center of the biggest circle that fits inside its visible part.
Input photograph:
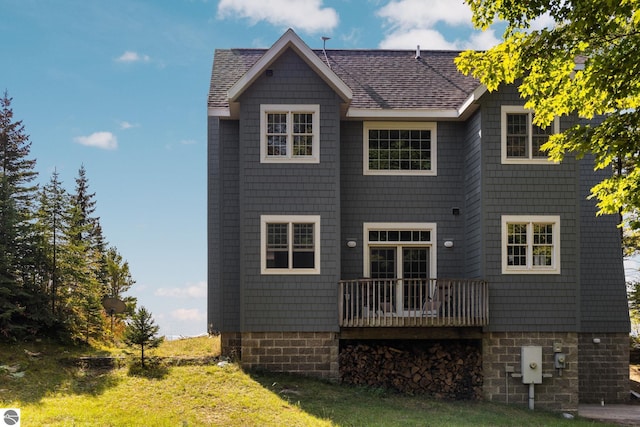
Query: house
(367, 198)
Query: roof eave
(404, 113)
(290, 40)
(470, 104)
(219, 112)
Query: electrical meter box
(531, 359)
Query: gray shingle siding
(603, 301)
(588, 295)
(224, 267)
(371, 198)
(527, 302)
(289, 302)
(472, 208)
(214, 276)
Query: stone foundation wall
(501, 351)
(306, 353)
(604, 368)
(231, 345)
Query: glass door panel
(383, 266)
(383, 263)
(415, 274)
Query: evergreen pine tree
(52, 221)
(84, 262)
(142, 331)
(16, 198)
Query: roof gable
(375, 84)
(290, 40)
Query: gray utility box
(531, 369)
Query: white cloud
(130, 56)
(426, 38)
(416, 22)
(481, 41)
(198, 290)
(410, 14)
(188, 314)
(126, 125)
(104, 140)
(542, 22)
(309, 16)
(188, 142)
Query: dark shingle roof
(379, 79)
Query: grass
(51, 393)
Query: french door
(408, 264)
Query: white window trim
(529, 220)
(519, 109)
(431, 126)
(403, 226)
(289, 219)
(314, 109)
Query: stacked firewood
(442, 369)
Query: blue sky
(120, 86)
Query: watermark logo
(10, 417)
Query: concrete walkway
(626, 415)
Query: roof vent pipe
(324, 42)
(418, 52)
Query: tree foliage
(16, 196)
(588, 64)
(142, 331)
(54, 266)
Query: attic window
(289, 134)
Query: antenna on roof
(418, 52)
(324, 43)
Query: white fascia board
(367, 113)
(218, 112)
(290, 39)
(480, 90)
(416, 113)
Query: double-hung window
(521, 139)
(399, 148)
(289, 133)
(290, 244)
(530, 244)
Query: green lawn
(51, 393)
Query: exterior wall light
(351, 243)
(448, 243)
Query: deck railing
(413, 302)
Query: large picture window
(289, 133)
(521, 139)
(399, 148)
(290, 244)
(530, 244)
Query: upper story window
(289, 133)
(521, 139)
(290, 244)
(393, 148)
(530, 244)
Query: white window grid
(530, 244)
(521, 139)
(412, 150)
(290, 133)
(293, 234)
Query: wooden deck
(380, 303)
